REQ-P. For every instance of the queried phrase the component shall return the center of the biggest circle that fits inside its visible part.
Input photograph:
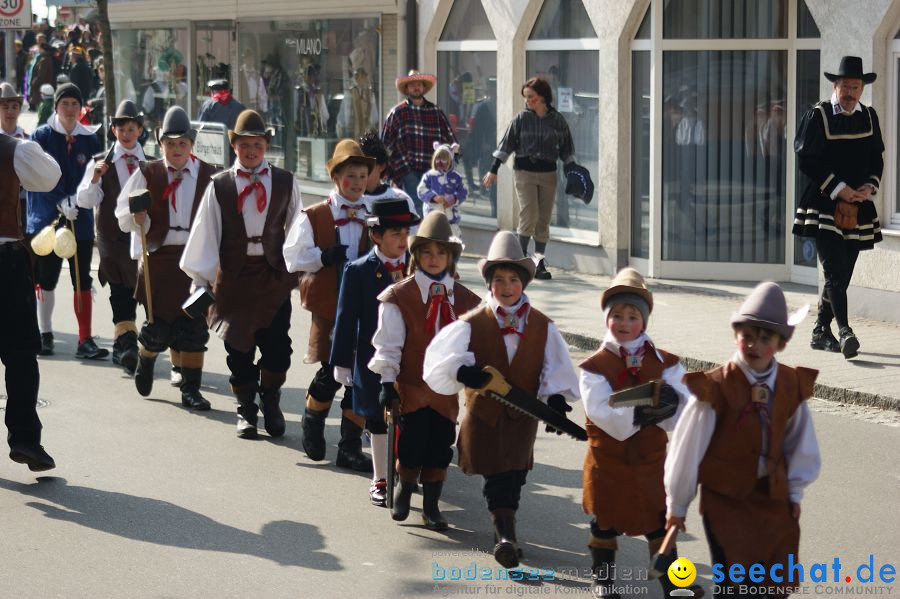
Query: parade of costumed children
(72, 145)
(412, 312)
(236, 249)
(627, 445)
(357, 319)
(376, 187)
(746, 436)
(509, 334)
(442, 188)
(175, 185)
(320, 240)
(23, 164)
(104, 178)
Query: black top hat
(392, 212)
(578, 182)
(851, 68)
(127, 111)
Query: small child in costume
(442, 188)
(623, 468)
(747, 437)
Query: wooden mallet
(662, 559)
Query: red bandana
(130, 162)
(632, 364)
(395, 270)
(169, 191)
(439, 305)
(222, 96)
(255, 184)
(511, 321)
(351, 217)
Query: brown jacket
(157, 178)
(414, 393)
(10, 206)
(319, 290)
(107, 223)
(633, 467)
(494, 438)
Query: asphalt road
(151, 500)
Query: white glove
(69, 210)
(343, 375)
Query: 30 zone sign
(15, 14)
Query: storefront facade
(684, 112)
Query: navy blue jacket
(357, 319)
(41, 207)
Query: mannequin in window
(273, 77)
(359, 110)
(312, 112)
(252, 90)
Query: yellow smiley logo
(682, 572)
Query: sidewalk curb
(826, 392)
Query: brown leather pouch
(845, 214)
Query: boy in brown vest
(175, 184)
(103, 180)
(623, 468)
(526, 347)
(747, 437)
(411, 313)
(320, 240)
(235, 248)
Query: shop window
(563, 48)
(640, 153)
(725, 19)
(806, 25)
(467, 21)
(154, 63)
(809, 77)
(314, 82)
(213, 46)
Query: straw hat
(250, 124)
(427, 80)
(347, 151)
(766, 308)
(506, 249)
(435, 227)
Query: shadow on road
(150, 520)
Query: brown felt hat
(435, 227)
(628, 281)
(506, 249)
(765, 308)
(8, 92)
(427, 80)
(347, 151)
(250, 124)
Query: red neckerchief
(255, 184)
(130, 162)
(439, 305)
(70, 141)
(222, 96)
(351, 215)
(632, 364)
(169, 191)
(395, 270)
(511, 321)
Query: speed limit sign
(15, 14)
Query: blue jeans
(410, 182)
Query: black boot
(350, 453)
(46, 344)
(431, 512)
(506, 551)
(603, 573)
(312, 431)
(402, 494)
(143, 374)
(822, 338)
(849, 342)
(190, 390)
(270, 397)
(125, 351)
(246, 410)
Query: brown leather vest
(233, 247)
(319, 290)
(609, 365)
(157, 178)
(487, 344)
(730, 464)
(107, 223)
(10, 206)
(415, 394)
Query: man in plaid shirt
(409, 131)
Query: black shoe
(822, 338)
(190, 390)
(506, 551)
(33, 456)
(849, 343)
(175, 377)
(125, 351)
(312, 434)
(378, 492)
(603, 573)
(541, 272)
(88, 350)
(46, 344)
(273, 418)
(143, 375)
(402, 494)
(350, 453)
(431, 513)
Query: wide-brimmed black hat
(579, 182)
(851, 68)
(392, 213)
(176, 123)
(127, 111)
